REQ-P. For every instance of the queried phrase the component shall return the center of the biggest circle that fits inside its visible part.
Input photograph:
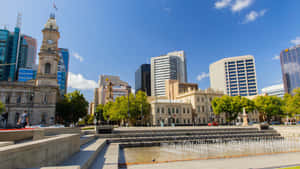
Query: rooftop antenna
(19, 20)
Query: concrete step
(186, 133)
(210, 136)
(87, 154)
(86, 139)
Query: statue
(245, 118)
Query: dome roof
(51, 23)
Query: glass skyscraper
(63, 69)
(16, 51)
(143, 79)
(26, 74)
(290, 67)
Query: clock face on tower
(50, 42)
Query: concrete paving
(252, 162)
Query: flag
(54, 6)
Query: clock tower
(48, 55)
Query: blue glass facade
(4, 42)
(16, 51)
(26, 74)
(290, 67)
(63, 69)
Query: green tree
(268, 106)
(292, 103)
(99, 112)
(142, 108)
(72, 107)
(2, 107)
(229, 105)
(248, 104)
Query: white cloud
(296, 41)
(239, 5)
(77, 56)
(222, 4)
(202, 76)
(253, 15)
(276, 57)
(77, 81)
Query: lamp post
(128, 114)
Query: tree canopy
(139, 109)
(269, 106)
(292, 103)
(72, 107)
(2, 107)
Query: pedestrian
(4, 119)
(23, 120)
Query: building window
(162, 110)
(198, 109)
(184, 121)
(183, 110)
(157, 110)
(188, 121)
(203, 108)
(47, 68)
(7, 100)
(169, 111)
(173, 110)
(177, 111)
(198, 99)
(188, 110)
(177, 120)
(45, 99)
(204, 120)
(202, 99)
(18, 99)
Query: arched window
(47, 68)
(18, 99)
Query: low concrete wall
(16, 135)
(35, 134)
(288, 131)
(7, 143)
(57, 131)
(35, 154)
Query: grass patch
(292, 167)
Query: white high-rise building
(234, 75)
(170, 66)
(274, 90)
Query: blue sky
(116, 36)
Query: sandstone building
(38, 97)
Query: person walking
(23, 120)
(4, 119)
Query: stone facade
(170, 111)
(38, 97)
(187, 96)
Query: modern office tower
(16, 51)
(63, 69)
(25, 74)
(170, 66)
(118, 88)
(143, 79)
(290, 67)
(274, 90)
(28, 50)
(234, 75)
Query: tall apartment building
(234, 75)
(290, 67)
(119, 88)
(274, 90)
(16, 51)
(170, 66)
(143, 79)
